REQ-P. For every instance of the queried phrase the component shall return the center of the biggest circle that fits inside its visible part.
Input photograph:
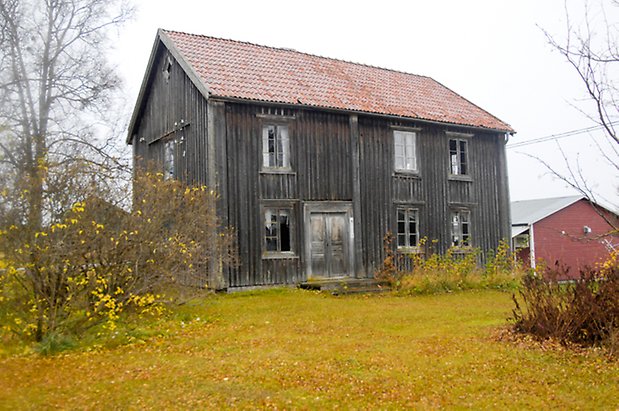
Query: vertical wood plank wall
(320, 163)
(168, 102)
(321, 147)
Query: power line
(559, 135)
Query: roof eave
(546, 215)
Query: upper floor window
(169, 155)
(405, 150)
(408, 227)
(458, 156)
(460, 228)
(277, 224)
(275, 146)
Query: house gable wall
(173, 109)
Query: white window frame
(459, 219)
(405, 151)
(406, 235)
(277, 155)
(457, 159)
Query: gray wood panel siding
(167, 103)
(278, 186)
(323, 148)
(320, 170)
(431, 190)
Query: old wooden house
(316, 159)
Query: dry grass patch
(295, 349)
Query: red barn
(571, 231)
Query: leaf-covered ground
(296, 349)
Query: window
(275, 146)
(168, 159)
(408, 227)
(460, 228)
(458, 156)
(405, 150)
(277, 234)
(167, 69)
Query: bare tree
(591, 47)
(54, 84)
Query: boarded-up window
(277, 225)
(168, 159)
(460, 228)
(458, 156)
(275, 146)
(408, 227)
(405, 150)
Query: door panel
(329, 244)
(336, 224)
(318, 242)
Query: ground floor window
(408, 227)
(278, 229)
(460, 228)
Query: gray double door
(329, 242)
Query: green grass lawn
(299, 349)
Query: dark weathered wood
(356, 197)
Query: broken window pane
(278, 233)
(460, 228)
(275, 146)
(458, 156)
(284, 229)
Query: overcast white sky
(492, 52)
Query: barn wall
(560, 237)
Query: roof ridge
(290, 50)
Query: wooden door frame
(343, 207)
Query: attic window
(167, 68)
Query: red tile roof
(236, 69)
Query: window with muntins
(460, 228)
(275, 146)
(405, 150)
(168, 159)
(408, 227)
(277, 234)
(458, 156)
